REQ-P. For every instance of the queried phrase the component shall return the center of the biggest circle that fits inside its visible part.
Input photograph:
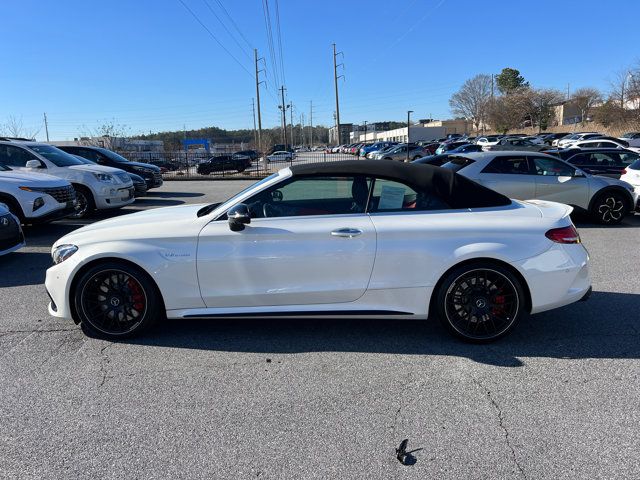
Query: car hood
(95, 168)
(167, 222)
(32, 179)
(155, 168)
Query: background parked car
(139, 183)
(609, 162)
(399, 153)
(529, 175)
(601, 142)
(11, 237)
(516, 143)
(573, 138)
(549, 138)
(97, 187)
(222, 163)
(631, 175)
(281, 156)
(102, 156)
(488, 140)
(35, 197)
(633, 138)
(252, 154)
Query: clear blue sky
(149, 65)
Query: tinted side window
(14, 156)
(88, 154)
(604, 159)
(393, 196)
(306, 196)
(628, 158)
(510, 165)
(551, 167)
(578, 160)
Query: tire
(609, 208)
(14, 207)
(480, 302)
(114, 300)
(85, 205)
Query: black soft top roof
(456, 190)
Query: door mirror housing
(34, 164)
(579, 173)
(238, 217)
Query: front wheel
(114, 300)
(85, 204)
(609, 208)
(480, 302)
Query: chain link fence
(181, 165)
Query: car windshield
(56, 156)
(113, 155)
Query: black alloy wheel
(610, 208)
(480, 303)
(115, 300)
(84, 203)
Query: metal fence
(182, 165)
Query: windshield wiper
(208, 209)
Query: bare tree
(538, 105)
(508, 112)
(585, 99)
(472, 100)
(106, 134)
(14, 127)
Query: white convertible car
(365, 238)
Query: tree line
(507, 101)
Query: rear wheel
(114, 300)
(609, 208)
(480, 302)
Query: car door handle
(346, 232)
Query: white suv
(35, 197)
(97, 187)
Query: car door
(15, 157)
(309, 242)
(558, 181)
(509, 175)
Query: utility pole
(335, 81)
(311, 123)
(258, 82)
(291, 113)
(567, 91)
(46, 125)
(255, 131)
(284, 107)
(409, 112)
(365, 131)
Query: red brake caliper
(498, 301)
(136, 294)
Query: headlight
(62, 252)
(104, 177)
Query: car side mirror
(238, 216)
(579, 173)
(34, 164)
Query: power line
(214, 37)
(284, 81)
(206, 2)
(234, 23)
(272, 52)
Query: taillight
(563, 235)
(625, 171)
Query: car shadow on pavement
(23, 268)
(171, 195)
(583, 221)
(607, 326)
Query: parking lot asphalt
(265, 398)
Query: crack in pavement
(503, 427)
(42, 330)
(405, 385)
(105, 361)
